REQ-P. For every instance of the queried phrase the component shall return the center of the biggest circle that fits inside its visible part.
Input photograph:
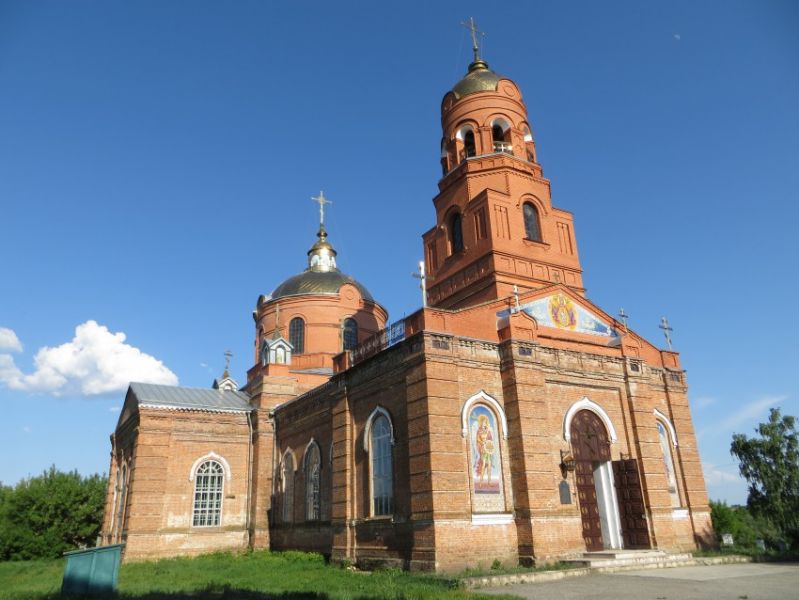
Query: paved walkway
(746, 581)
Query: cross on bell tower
(472, 27)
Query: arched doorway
(595, 493)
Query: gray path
(747, 581)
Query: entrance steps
(639, 559)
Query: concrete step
(631, 558)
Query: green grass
(253, 576)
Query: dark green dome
(479, 79)
(318, 283)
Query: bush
(744, 528)
(44, 516)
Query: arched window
(208, 483)
(500, 134)
(313, 464)
(297, 335)
(264, 352)
(280, 355)
(668, 463)
(122, 492)
(287, 513)
(350, 333)
(381, 466)
(469, 148)
(532, 226)
(455, 233)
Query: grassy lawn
(255, 576)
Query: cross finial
(228, 356)
(321, 201)
(421, 277)
(624, 316)
(667, 329)
(472, 27)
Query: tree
(44, 516)
(770, 464)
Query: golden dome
(479, 79)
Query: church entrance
(634, 528)
(595, 491)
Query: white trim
(368, 429)
(210, 456)
(293, 459)
(608, 505)
(195, 408)
(481, 396)
(660, 416)
(492, 519)
(305, 452)
(679, 513)
(587, 404)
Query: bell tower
(496, 227)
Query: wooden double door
(591, 448)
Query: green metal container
(92, 571)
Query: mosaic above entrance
(561, 312)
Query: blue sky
(157, 161)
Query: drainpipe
(248, 518)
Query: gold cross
(321, 201)
(472, 27)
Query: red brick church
(510, 410)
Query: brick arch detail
(211, 456)
(290, 452)
(665, 420)
(479, 397)
(586, 404)
(368, 429)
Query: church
(509, 419)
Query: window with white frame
(381, 463)
(313, 464)
(668, 463)
(287, 508)
(208, 485)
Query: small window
(208, 482)
(469, 148)
(668, 464)
(455, 233)
(382, 467)
(280, 355)
(313, 465)
(532, 227)
(297, 335)
(497, 134)
(350, 334)
(122, 492)
(287, 476)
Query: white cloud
(704, 401)
(677, 37)
(26, 429)
(114, 408)
(751, 413)
(715, 475)
(9, 342)
(95, 362)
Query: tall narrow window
(122, 492)
(297, 335)
(288, 488)
(382, 484)
(455, 233)
(480, 224)
(468, 144)
(350, 334)
(668, 463)
(313, 465)
(208, 483)
(532, 228)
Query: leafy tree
(44, 516)
(770, 464)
